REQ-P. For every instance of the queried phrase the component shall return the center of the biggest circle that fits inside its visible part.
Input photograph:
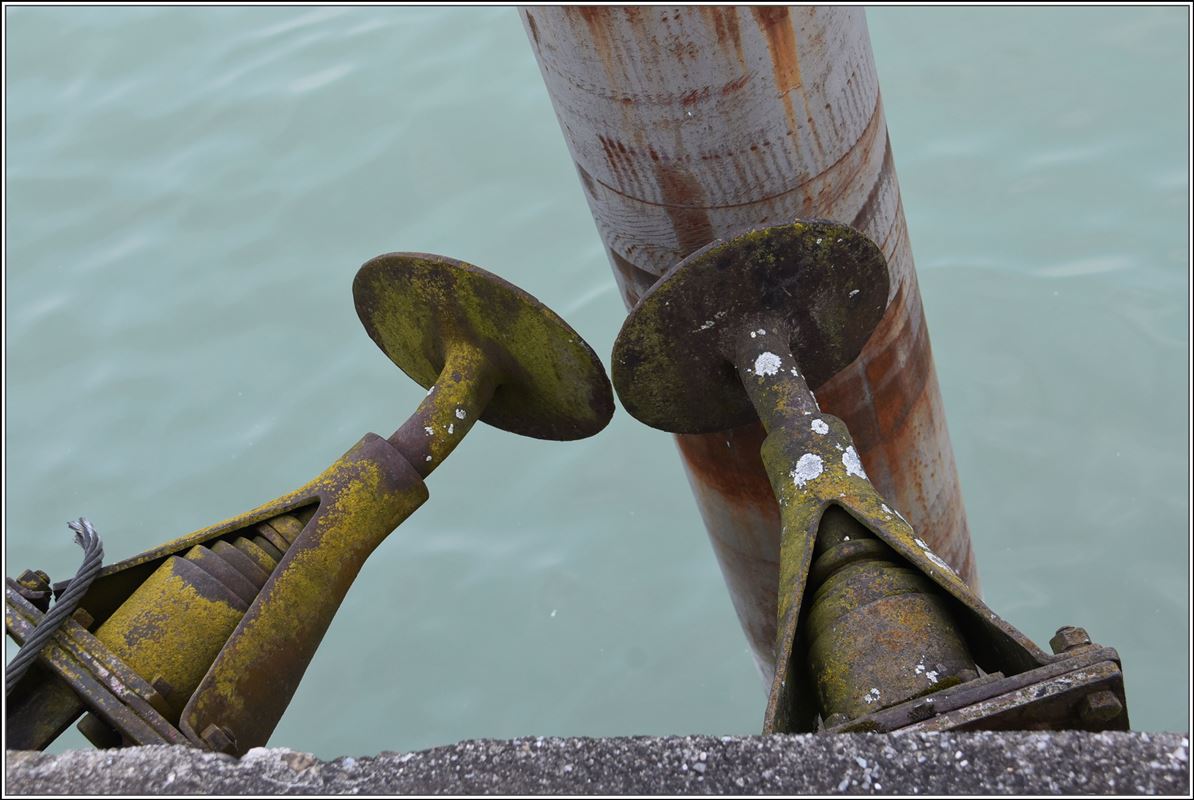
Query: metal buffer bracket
(204, 640)
(876, 632)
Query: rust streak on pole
(689, 124)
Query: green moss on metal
(420, 309)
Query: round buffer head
(417, 307)
(823, 283)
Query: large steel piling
(690, 124)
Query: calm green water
(191, 190)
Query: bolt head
(33, 579)
(1068, 638)
(218, 739)
(1099, 707)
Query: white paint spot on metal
(853, 465)
(807, 468)
(820, 427)
(766, 363)
(460, 413)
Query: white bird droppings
(820, 427)
(460, 413)
(807, 468)
(766, 363)
(856, 291)
(872, 696)
(931, 674)
(430, 431)
(428, 458)
(936, 559)
(451, 427)
(852, 464)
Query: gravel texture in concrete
(947, 763)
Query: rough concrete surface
(947, 763)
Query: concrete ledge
(970, 763)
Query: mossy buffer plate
(416, 306)
(823, 282)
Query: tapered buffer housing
(203, 640)
(876, 631)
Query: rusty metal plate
(415, 306)
(822, 282)
(1082, 689)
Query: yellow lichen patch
(420, 308)
(169, 629)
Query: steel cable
(68, 601)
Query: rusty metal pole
(689, 124)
